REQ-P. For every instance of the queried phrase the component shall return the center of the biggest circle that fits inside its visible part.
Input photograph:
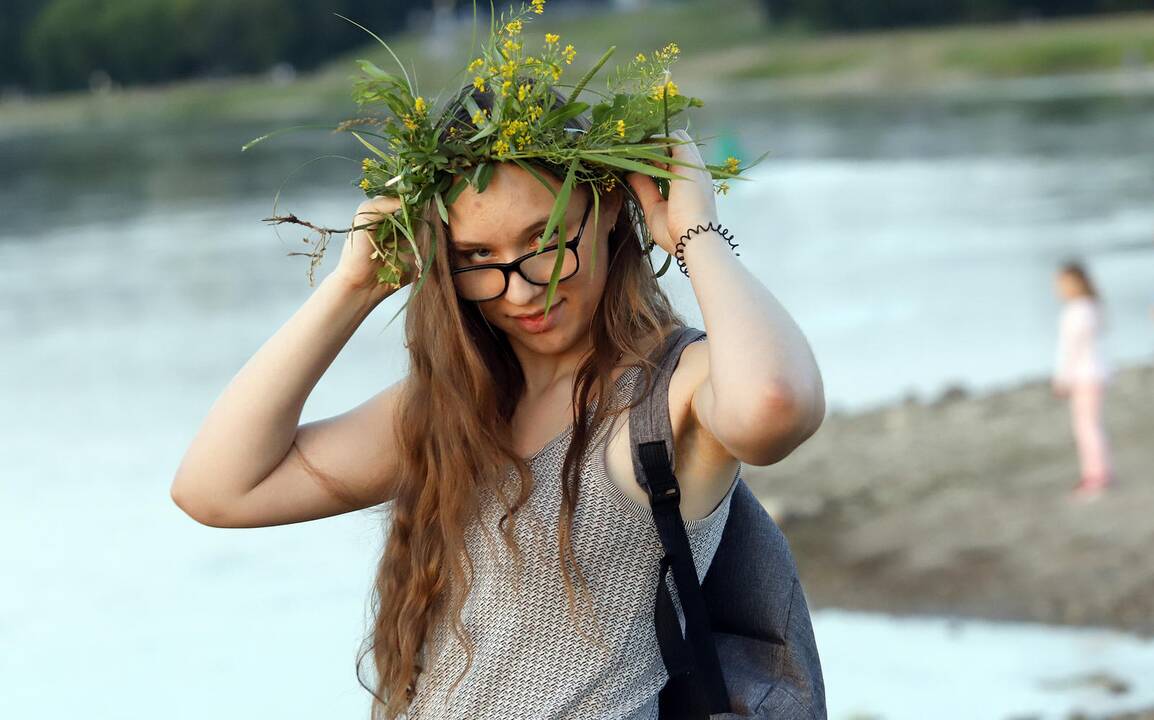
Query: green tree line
(48, 45)
(871, 14)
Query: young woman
(519, 573)
(1082, 374)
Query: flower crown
(426, 151)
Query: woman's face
(505, 222)
(1068, 286)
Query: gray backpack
(748, 650)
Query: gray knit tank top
(530, 659)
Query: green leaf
(560, 205)
(755, 162)
(441, 210)
(589, 75)
(489, 129)
(455, 188)
(390, 275)
(564, 113)
(656, 156)
(627, 164)
(471, 105)
(369, 68)
(483, 175)
(596, 216)
(370, 146)
(600, 113)
(384, 44)
(428, 261)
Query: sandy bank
(962, 506)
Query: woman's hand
(358, 264)
(691, 200)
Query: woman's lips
(539, 323)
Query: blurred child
(1082, 374)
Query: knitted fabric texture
(531, 660)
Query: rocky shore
(962, 506)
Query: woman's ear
(612, 202)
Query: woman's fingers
(686, 151)
(646, 190)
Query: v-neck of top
(569, 429)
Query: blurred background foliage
(864, 14)
(48, 45)
(54, 45)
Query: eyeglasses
(479, 283)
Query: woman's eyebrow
(529, 230)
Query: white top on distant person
(1082, 373)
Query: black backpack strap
(696, 685)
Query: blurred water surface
(914, 241)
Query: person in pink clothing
(1082, 374)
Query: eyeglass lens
(489, 283)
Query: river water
(914, 241)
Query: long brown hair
(456, 446)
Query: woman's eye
(478, 255)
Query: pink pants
(1093, 449)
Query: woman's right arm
(250, 465)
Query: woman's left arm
(762, 393)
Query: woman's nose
(521, 291)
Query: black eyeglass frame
(515, 265)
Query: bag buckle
(660, 482)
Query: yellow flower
(723, 187)
(513, 127)
(500, 147)
(419, 105)
(538, 6)
(479, 83)
(513, 28)
(533, 113)
(664, 90)
(640, 57)
(551, 39)
(569, 54)
(508, 70)
(476, 64)
(522, 92)
(506, 86)
(522, 141)
(479, 118)
(668, 53)
(365, 184)
(512, 47)
(556, 73)
(366, 164)
(731, 164)
(409, 122)
(620, 128)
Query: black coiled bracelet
(679, 248)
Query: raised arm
(760, 392)
(250, 464)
